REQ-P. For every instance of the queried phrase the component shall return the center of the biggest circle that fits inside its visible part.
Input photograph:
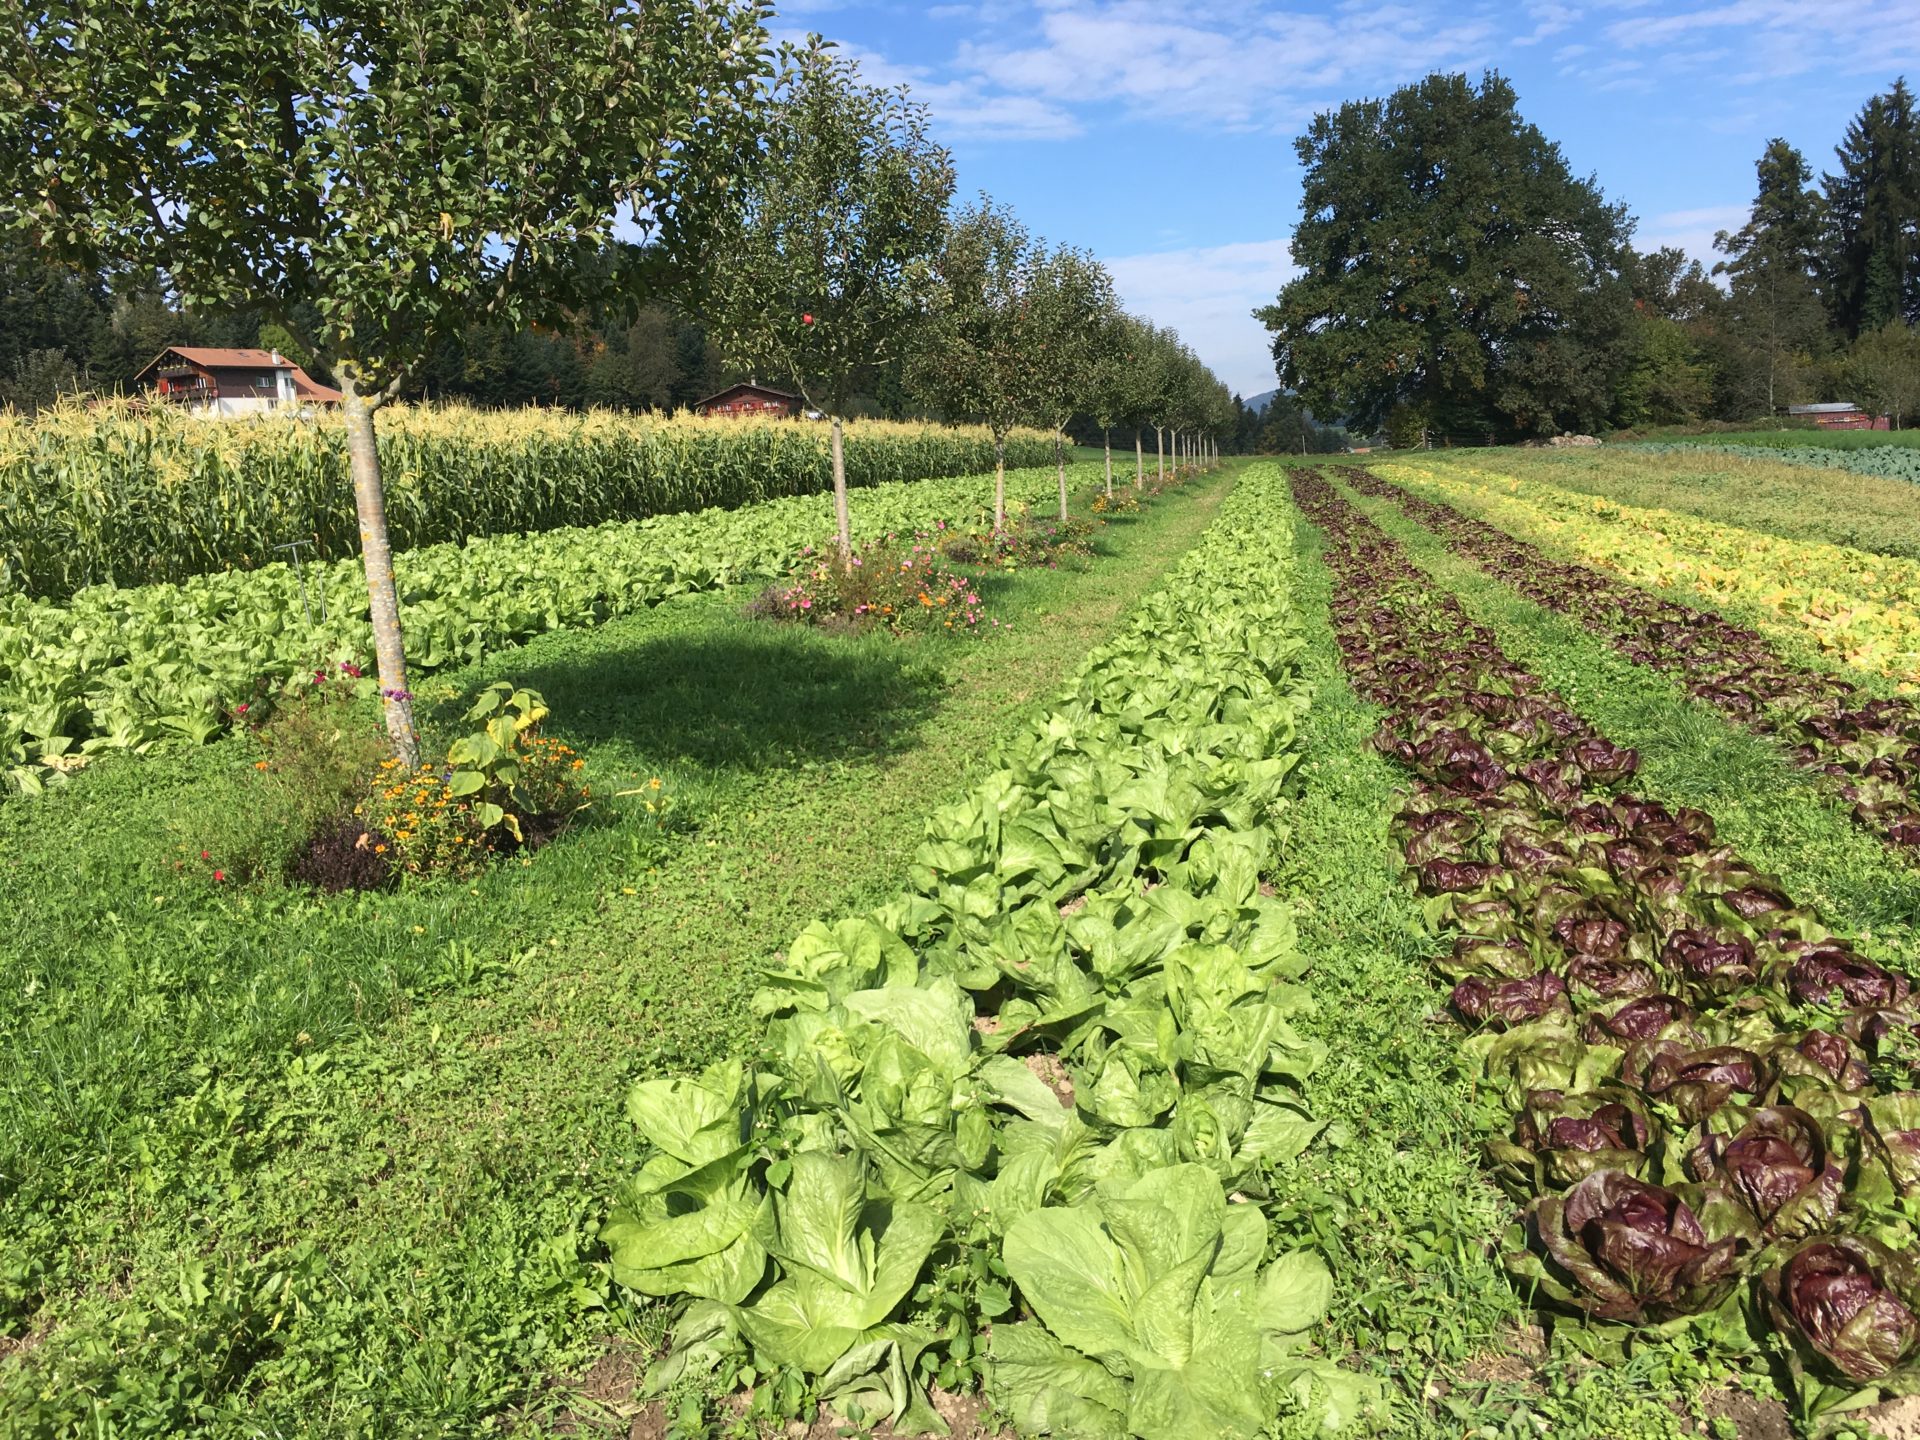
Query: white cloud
(1690, 230)
(1245, 67)
(1208, 293)
(1780, 38)
(966, 107)
(1550, 18)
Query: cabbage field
(1422, 947)
(1862, 453)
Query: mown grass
(1780, 817)
(1397, 1194)
(272, 1164)
(1867, 512)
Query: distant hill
(1260, 401)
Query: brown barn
(749, 399)
(1838, 415)
(214, 381)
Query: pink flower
(219, 874)
(241, 708)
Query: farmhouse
(749, 399)
(212, 381)
(1838, 415)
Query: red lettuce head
(1593, 935)
(1884, 1033)
(1778, 1165)
(1510, 958)
(1646, 1018)
(1831, 975)
(1892, 1123)
(1818, 1071)
(1602, 760)
(1849, 1301)
(1456, 877)
(1531, 854)
(1833, 1055)
(1697, 1082)
(1711, 962)
(1755, 902)
(1614, 979)
(1627, 1250)
(1505, 1003)
(1560, 1139)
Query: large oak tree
(1451, 265)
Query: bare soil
(1052, 1074)
(1753, 1418)
(1894, 1420)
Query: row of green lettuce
(126, 669)
(1896, 462)
(1017, 1125)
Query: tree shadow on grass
(741, 695)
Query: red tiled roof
(307, 388)
(221, 359)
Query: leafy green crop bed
(126, 669)
(1045, 1068)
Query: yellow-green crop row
(1851, 607)
(114, 495)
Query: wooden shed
(749, 399)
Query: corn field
(114, 495)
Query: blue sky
(1159, 136)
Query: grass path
(299, 1167)
(1774, 813)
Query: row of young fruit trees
(806, 217)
